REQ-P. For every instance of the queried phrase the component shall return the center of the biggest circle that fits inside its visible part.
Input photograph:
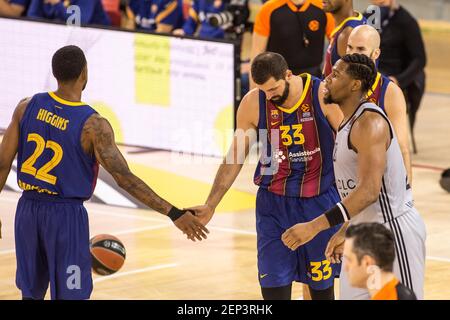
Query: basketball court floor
(162, 264)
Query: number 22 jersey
(50, 157)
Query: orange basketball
(108, 254)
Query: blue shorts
(52, 246)
(278, 266)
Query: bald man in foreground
(385, 93)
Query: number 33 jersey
(296, 159)
(50, 157)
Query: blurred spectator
(197, 21)
(14, 8)
(345, 19)
(404, 57)
(295, 29)
(91, 10)
(157, 15)
(113, 10)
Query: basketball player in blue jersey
(294, 175)
(345, 20)
(59, 142)
(385, 93)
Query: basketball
(108, 254)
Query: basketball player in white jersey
(371, 179)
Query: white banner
(157, 91)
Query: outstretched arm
(10, 143)
(98, 138)
(247, 116)
(370, 138)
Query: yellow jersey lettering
(64, 125)
(48, 117)
(41, 114)
(52, 119)
(28, 187)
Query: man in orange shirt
(369, 252)
(295, 29)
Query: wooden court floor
(161, 264)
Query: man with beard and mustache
(371, 179)
(59, 142)
(345, 20)
(294, 174)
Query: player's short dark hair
(361, 67)
(266, 65)
(374, 240)
(68, 63)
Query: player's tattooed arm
(98, 139)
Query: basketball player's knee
(26, 298)
(277, 293)
(326, 294)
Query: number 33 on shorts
(321, 270)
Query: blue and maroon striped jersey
(297, 158)
(378, 91)
(332, 55)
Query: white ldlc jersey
(395, 198)
(394, 208)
